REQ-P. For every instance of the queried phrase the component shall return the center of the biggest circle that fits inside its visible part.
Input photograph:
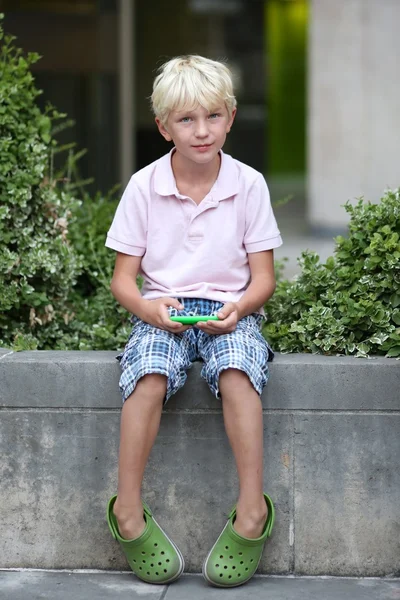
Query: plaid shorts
(153, 350)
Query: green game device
(193, 319)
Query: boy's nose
(201, 129)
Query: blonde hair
(185, 82)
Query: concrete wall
(332, 453)
(353, 109)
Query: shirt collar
(226, 185)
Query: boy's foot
(234, 558)
(130, 524)
(152, 556)
(251, 524)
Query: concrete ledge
(332, 450)
(298, 381)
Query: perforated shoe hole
(156, 573)
(252, 560)
(229, 576)
(217, 566)
(226, 547)
(167, 560)
(231, 557)
(225, 567)
(155, 545)
(240, 553)
(221, 575)
(221, 556)
(152, 565)
(162, 553)
(153, 554)
(165, 570)
(143, 553)
(233, 567)
(241, 562)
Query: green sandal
(153, 557)
(234, 559)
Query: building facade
(317, 86)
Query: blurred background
(317, 85)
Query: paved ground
(63, 585)
(297, 238)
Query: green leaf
(395, 300)
(396, 317)
(393, 352)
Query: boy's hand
(155, 312)
(229, 317)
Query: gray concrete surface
(332, 450)
(57, 379)
(353, 116)
(110, 586)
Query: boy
(198, 226)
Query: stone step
(55, 585)
(332, 450)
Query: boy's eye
(185, 120)
(214, 115)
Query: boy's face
(198, 134)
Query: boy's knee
(153, 386)
(233, 378)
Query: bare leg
(244, 426)
(140, 421)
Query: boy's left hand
(228, 315)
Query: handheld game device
(185, 320)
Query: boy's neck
(187, 172)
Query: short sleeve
(261, 231)
(128, 231)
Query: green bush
(38, 267)
(54, 269)
(350, 304)
(100, 323)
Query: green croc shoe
(153, 557)
(234, 559)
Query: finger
(172, 326)
(174, 302)
(216, 327)
(226, 310)
(231, 319)
(212, 331)
(165, 318)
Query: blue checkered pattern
(153, 350)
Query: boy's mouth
(202, 146)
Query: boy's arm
(125, 290)
(123, 284)
(261, 288)
(262, 285)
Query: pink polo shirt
(190, 250)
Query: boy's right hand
(155, 312)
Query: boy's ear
(230, 122)
(162, 130)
